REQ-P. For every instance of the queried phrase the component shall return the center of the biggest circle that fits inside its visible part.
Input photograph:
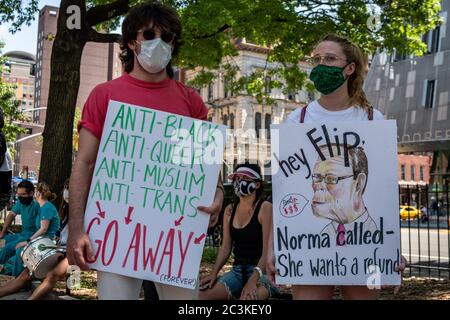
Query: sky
(26, 39)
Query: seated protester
(48, 223)
(28, 209)
(246, 225)
(56, 274)
(5, 179)
(25, 279)
(64, 213)
(5, 167)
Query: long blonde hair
(45, 192)
(356, 80)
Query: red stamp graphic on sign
(292, 205)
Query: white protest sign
(335, 203)
(152, 171)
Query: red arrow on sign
(100, 212)
(199, 239)
(178, 222)
(128, 218)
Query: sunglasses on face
(150, 34)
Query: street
(426, 248)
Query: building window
(232, 121)
(226, 88)
(267, 122)
(399, 56)
(29, 131)
(291, 96)
(403, 173)
(210, 91)
(431, 38)
(267, 88)
(225, 119)
(257, 123)
(52, 13)
(413, 173)
(246, 152)
(421, 174)
(429, 93)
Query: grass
(209, 254)
(412, 289)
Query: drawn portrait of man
(339, 189)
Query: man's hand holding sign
(144, 216)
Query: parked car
(409, 212)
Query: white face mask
(155, 55)
(66, 195)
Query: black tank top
(248, 241)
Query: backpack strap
(370, 113)
(3, 147)
(303, 114)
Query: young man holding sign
(150, 37)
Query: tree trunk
(56, 161)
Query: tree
(76, 24)
(290, 28)
(10, 107)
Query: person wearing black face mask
(246, 225)
(28, 209)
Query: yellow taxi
(409, 212)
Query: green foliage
(75, 135)
(17, 13)
(209, 254)
(202, 77)
(291, 29)
(10, 107)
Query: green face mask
(327, 78)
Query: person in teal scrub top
(47, 223)
(28, 209)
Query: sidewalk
(413, 289)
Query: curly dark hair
(161, 16)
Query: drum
(41, 255)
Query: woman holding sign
(338, 74)
(246, 227)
